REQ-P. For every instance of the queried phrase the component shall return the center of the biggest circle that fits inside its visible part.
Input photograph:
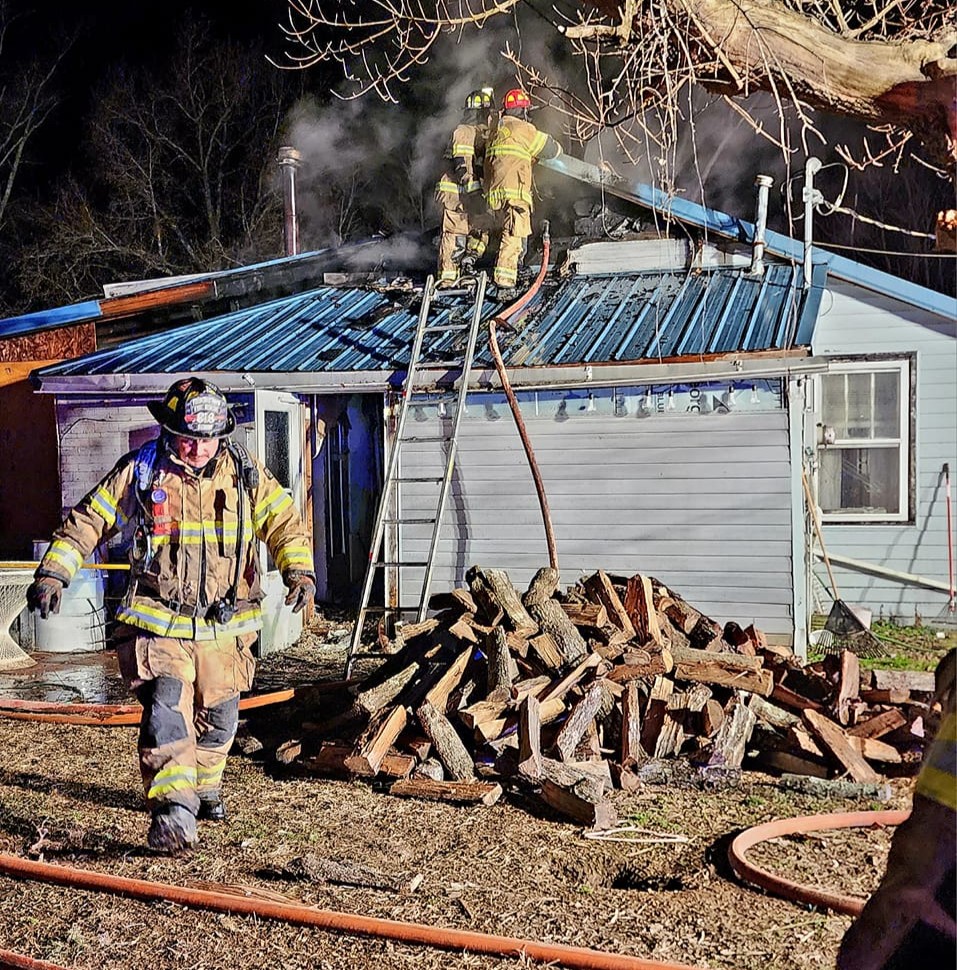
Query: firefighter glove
(301, 586)
(44, 595)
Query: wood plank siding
(700, 501)
(859, 322)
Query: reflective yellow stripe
(293, 557)
(505, 276)
(449, 274)
(473, 186)
(538, 143)
(464, 151)
(498, 197)
(938, 776)
(172, 778)
(64, 555)
(274, 503)
(209, 776)
(168, 624)
(104, 505)
(452, 188)
(512, 151)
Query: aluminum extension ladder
(388, 513)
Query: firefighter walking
(458, 193)
(193, 504)
(514, 148)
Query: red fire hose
(503, 319)
(780, 886)
(122, 715)
(325, 919)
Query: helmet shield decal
(205, 414)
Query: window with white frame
(864, 457)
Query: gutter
(730, 367)
(907, 579)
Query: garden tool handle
(817, 530)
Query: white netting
(13, 598)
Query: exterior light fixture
(590, 406)
(755, 397)
(671, 399)
(442, 409)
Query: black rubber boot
(173, 829)
(211, 809)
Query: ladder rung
(464, 291)
(409, 521)
(393, 609)
(381, 565)
(428, 437)
(443, 328)
(433, 480)
(451, 364)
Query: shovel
(850, 623)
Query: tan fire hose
(503, 318)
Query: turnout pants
(515, 220)
(461, 234)
(189, 690)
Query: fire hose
(124, 715)
(503, 318)
(356, 924)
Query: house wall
(856, 321)
(700, 499)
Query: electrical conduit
(324, 919)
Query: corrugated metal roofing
(594, 319)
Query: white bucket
(80, 626)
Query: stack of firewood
(566, 695)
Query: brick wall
(92, 438)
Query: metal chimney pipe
(764, 183)
(289, 159)
(811, 197)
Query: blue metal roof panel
(60, 316)
(585, 319)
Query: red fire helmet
(516, 98)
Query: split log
(849, 685)
(530, 738)
(657, 705)
(658, 663)
(331, 760)
(493, 592)
(770, 713)
(482, 711)
(589, 780)
(438, 694)
(372, 700)
(835, 741)
(502, 671)
(550, 616)
(873, 750)
(879, 725)
(586, 614)
(572, 677)
(789, 698)
(631, 750)
(792, 764)
(582, 714)
(462, 629)
(893, 696)
(409, 631)
(639, 605)
(599, 816)
(730, 744)
(448, 746)
(600, 588)
(374, 743)
(459, 792)
(532, 686)
(726, 669)
(546, 649)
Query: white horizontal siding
(702, 502)
(855, 322)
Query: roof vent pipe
(289, 159)
(764, 183)
(811, 198)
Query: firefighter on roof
(194, 503)
(458, 193)
(516, 145)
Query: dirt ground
(71, 795)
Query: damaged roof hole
(370, 318)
